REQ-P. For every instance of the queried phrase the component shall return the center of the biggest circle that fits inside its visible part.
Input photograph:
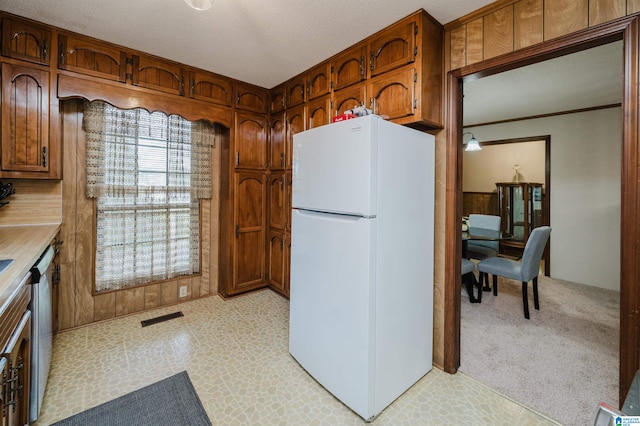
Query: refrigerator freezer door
(331, 322)
(335, 167)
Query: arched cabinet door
(91, 57)
(26, 41)
(25, 120)
(249, 244)
(319, 112)
(250, 141)
(349, 67)
(392, 95)
(251, 98)
(158, 74)
(277, 262)
(277, 203)
(394, 48)
(277, 136)
(319, 81)
(349, 99)
(296, 123)
(210, 87)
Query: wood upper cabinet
(26, 150)
(295, 91)
(295, 123)
(17, 354)
(277, 98)
(91, 57)
(319, 80)
(392, 96)
(348, 99)
(278, 263)
(278, 204)
(250, 141)
(251, 98)
(319, 112)
(349, 68)
(158, 74)
(250, 220)
(277, 136)
(210, 87)
(22, 39)
(393, 48)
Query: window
(147, 172)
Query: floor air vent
(161, 318)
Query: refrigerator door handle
(333, 215)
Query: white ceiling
(264, 42)
(585, 79)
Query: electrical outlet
(183, 291)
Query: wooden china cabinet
(521, 207)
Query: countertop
(24, 244)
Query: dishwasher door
(41, 329)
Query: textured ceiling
(264, 42)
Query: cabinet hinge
(237, 158)
(331, 85)
(331, 101)
(45, 50)
(415, 51)
(415, 77)
(331, 69)
(415, 103)
(128, 76)
(61, 54)
(361, 65)
(237, 231)
(371, 60)
(129, 61)
(415, 29)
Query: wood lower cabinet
(25, 40)
(278, 261)
(27, 149)
(17, 384)
(15, 356)
(243, 265)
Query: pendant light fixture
(473, 144)
(199, 4)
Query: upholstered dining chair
(525, 270)
(478, 249)
(468, 279)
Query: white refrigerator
(361, 295)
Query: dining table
(481, 234)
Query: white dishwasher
(41, 329)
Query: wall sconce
(473, 144)
(199, 4)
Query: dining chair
(525, 270)
(478, 249)
(469, 280)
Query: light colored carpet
(562, 362)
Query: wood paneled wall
(509, 25)
(77, 303)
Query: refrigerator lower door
(331, 295)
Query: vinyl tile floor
(236, 353)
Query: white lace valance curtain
(147, 172)
(112, 136)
